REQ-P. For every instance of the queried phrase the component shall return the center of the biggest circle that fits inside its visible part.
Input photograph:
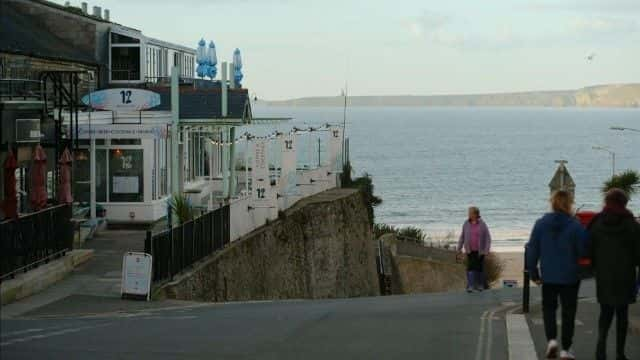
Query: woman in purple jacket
(476, 241)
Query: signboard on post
(262, 195)
(288, 174)
(122, 99)
(136, 275)
(335, 148)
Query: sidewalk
(91, 285)
(586, 327)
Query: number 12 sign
(122, 99)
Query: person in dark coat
(615, 254)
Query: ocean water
(430, 164)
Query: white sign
(126, 185)
(136, 274)
(123, 99)
(288, 173)
(335, 148)
(262, 195)
(122, 131)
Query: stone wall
(412, 268)
(322, 247)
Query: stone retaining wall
(322, 247)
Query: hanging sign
(136, 275)
(262, 195)
(288, 173)
(335, 148)
(122, 131)
(122, 99)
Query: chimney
(84, 8)
(97, 12)
(106, 14)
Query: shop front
(131, 170)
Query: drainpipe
(232, 162)
(224, 89)
(92, 171)
(175, 123)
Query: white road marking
(51, 334)
(540, 322)
(481, 336)
(20, 332)
(519, 339)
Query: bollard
(526, 291)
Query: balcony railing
(21, 89)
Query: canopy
(64, 186)
(237, 67)
(212, 61)
(10, 204)
(38, 179)
(201, 59)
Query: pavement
(586, 327)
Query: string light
(274, 135)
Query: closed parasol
(38, 178)
(10, 204)
(64, 186)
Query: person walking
(557, 242)
(475, 239)
(615, 255)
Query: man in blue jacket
(557, 242)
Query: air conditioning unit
(28, 130)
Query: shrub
(493, 268)
(381, 229)
(365, 184)
(181, 208)
(413, 234)
(626, 181)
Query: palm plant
(181, 208)
(626, 181)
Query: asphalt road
(429, 326)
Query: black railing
(20, 89)
(177, 249)
(33, 239)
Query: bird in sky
(591, 57)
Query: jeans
(622, 324)
(568, 295)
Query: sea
(429, 164)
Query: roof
(562, 179)
(22, 34)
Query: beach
(513, 266)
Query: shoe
(622, 357)
(552, 349)
(567, 355)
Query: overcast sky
(296, 48)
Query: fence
(34, 239)
(180, 247)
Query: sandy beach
(513, 265)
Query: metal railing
(180, 247)
(20, 89)
(34, 239)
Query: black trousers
(622, 324)
(568, 295)
(475, 261)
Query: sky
(299, 48)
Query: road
(438, 326)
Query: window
(126, 142)
(82, 173)
(126, 172)
(125, 63)
(123, 39)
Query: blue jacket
(557, 241)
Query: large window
(125, 58)
(82, 176)
(126, 175)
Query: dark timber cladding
(203, 103)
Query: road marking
(481, 336)
(519, 339)
(487, 349)
(20, 332)
(540, 322)
(51, 334)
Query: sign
(288, 174)
(335, 148)
(122, 99)
(262, 195)
(509, 283)
(125, 185)
(136, 275)
(122, 131)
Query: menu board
(126, 184)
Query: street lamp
(621, 128)
(613, 157)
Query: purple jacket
(465, 238)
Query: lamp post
(613, 157)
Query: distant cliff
(622, 95)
